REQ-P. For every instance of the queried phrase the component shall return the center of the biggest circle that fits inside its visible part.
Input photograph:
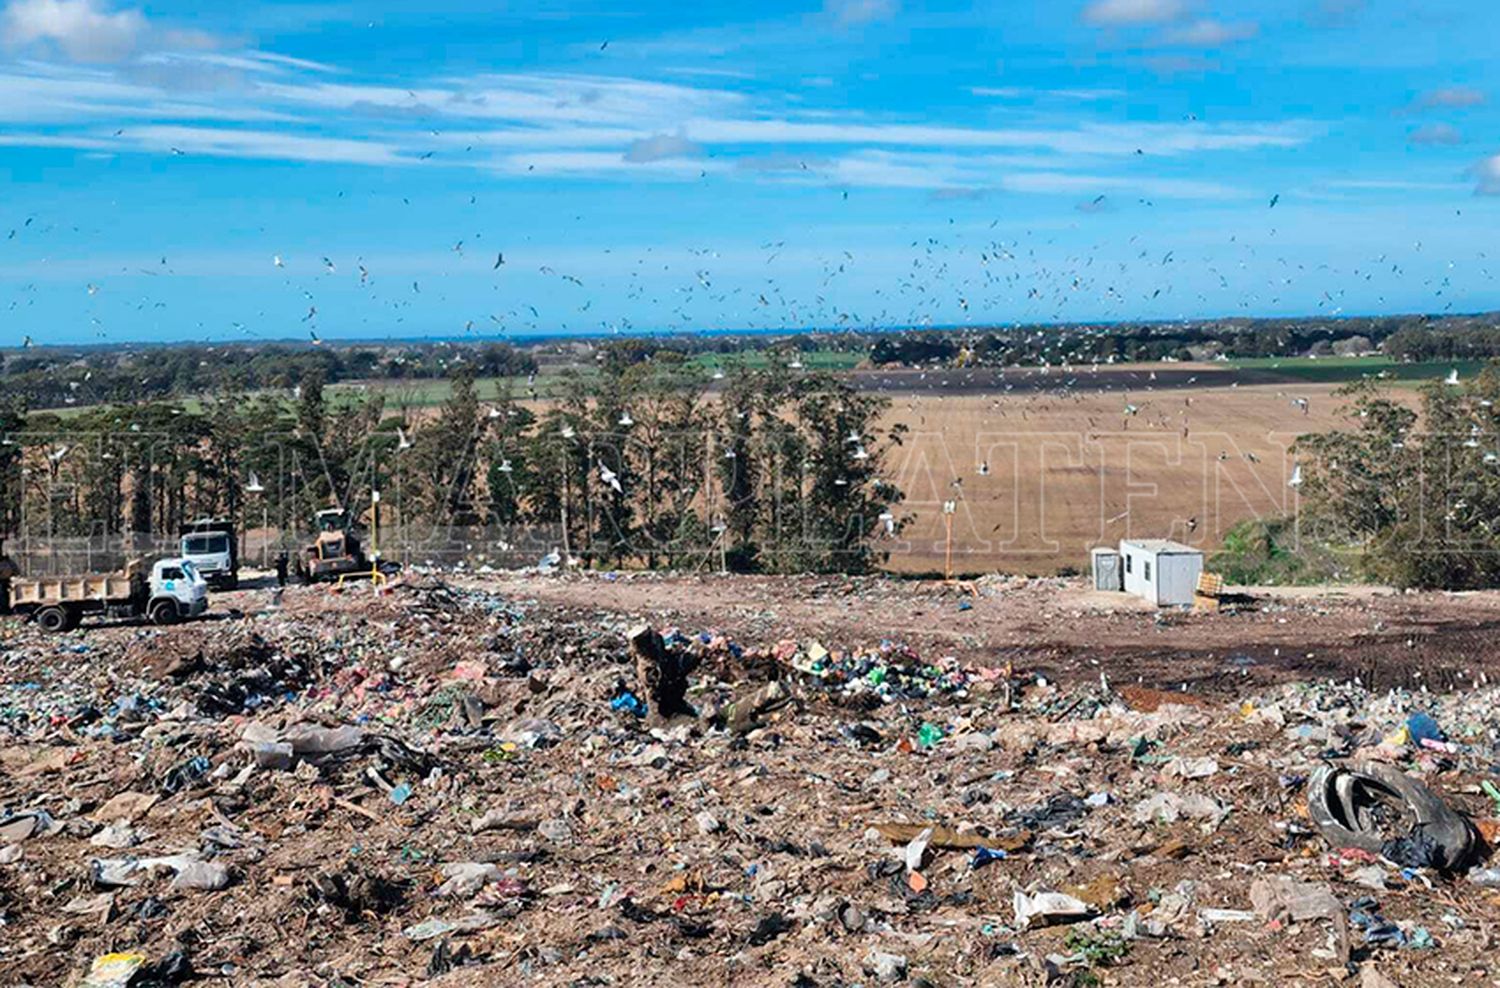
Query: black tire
(164, 612)
(53, 619)
(1337, 794)
(234, 582)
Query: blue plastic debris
(629, 703)
(984, 855)
(1423, 728)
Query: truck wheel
(164, 612)
(52, 619)
(234, 583)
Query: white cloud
(999, 92)
(81, 30)
(1029, 175)
(1392, 185)
(1436, 134)
(1206, 32)
(1095, 139)
(606, 127)
(217, 143)
(1121, 13)
(273, 145)
(659, 147)
(1079, 95)
(533, 99)
(851, 12)
(1451, 98)
(1171, 65)
(1486, 175)
(600, 164)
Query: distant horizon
(583, 336)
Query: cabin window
(171, 573)
(1147, 569)
(1127, 565)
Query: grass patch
(1341, 370)
(1261, 552)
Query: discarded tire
(1378, 809)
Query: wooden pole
(948, 546)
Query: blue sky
(277, 170)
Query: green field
(1339, 370)
(431, 392)
(549, 380)
(823, 360)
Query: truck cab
(176, 583)
(210, 544)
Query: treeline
(1146, 342)
(1463, 341)
(1416, 506)
(635, 466)
(55, 377)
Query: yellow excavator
(335, 552)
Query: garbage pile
(441, 783)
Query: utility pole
(949, 507)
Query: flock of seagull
(967, 275)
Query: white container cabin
(1160, 570)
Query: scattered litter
(1048, 908)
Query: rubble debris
(883, 814)
(743, 715)
(886, 968)
(663, 672)
(1048, 907)
(1280, 898)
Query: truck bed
(108, 588)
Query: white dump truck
(211, 546)
(173, 591)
